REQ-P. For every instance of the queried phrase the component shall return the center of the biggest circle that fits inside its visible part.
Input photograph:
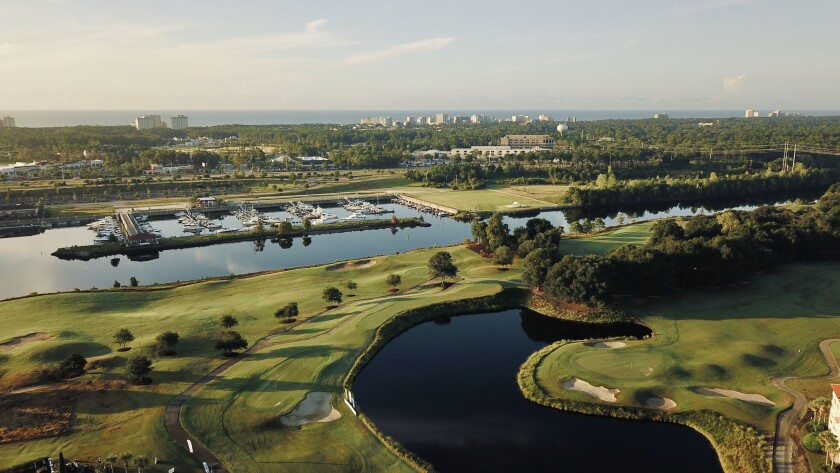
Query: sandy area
(647, 371)
(352, 265)
(598, 392)
(609, 344)
(753, 398)
(17, 342)
(660, 403)
(315, 407)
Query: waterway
(29, 267)
(447, 391)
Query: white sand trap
(352, 265)
(609, 344)
(647, 371)
(598, 392)
(660, 403)
(753, 398)
(18, 342)
(315, 407)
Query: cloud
(431, 44)
(734, 84)
(315, 25)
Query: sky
(429, 54)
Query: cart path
(788, 419)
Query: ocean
(59, 118)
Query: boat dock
(423, 206)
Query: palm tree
(829, 443)
(125, 457)
(110, 462)
(141, 463)
(819, 406)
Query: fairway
(486, 200)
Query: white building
(493, 151)
(384, 121)
(834, 416)
(527, 141)
(545, 118)
(661, 116)
(520, 118)
(480, 119)
(179, 122)
(440, 119)
(750, 113)
(8, 122)
(147, 122)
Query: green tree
(441, 266)
(503, 256)
(583, 279)
(498, 232)
(230, 342)
(536, 266)
(123, 336)
(134, 282)
(284, 228)
(288, 312)
(165, 343)
(479, 231)
(331, 295)
(73, 365)
(351, 285)
(137, 367)
(393, 280)
(228, 321)
(305, 224)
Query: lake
(447, 391)
(29, 266)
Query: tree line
(705, 251)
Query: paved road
(787, 420)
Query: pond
(447, 391)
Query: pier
(423, 206)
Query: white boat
(227, 230)
(325, 218)
(354, 217)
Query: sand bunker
(660, 403)
(18, 342)
(315, 407)
(598, 392)
(367, 263)
(753, 398)
(647, 371)
(609, 344)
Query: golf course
(279, 406)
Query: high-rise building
(750, 113)
(179, 122)
(441, 118)
(545, 118)
(8, 122)
(147, 122)
(661, 116)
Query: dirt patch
(18, 342)
(660, 403)
(480, 249)
(46, 412)
(598, 392)
(365, 263)
(753, 398)
(315, 407)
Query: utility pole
(793, 166)
(784, 159)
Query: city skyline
(716, 54)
